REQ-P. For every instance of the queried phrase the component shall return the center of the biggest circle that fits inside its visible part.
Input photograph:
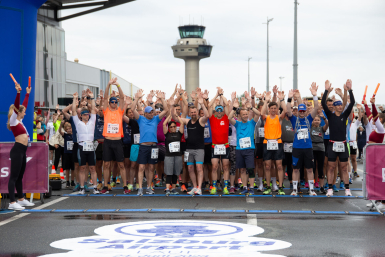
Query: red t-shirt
(178, 125)
(219, 130)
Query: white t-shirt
(51, 129)
(85, 132)
(353, 130)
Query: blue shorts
(134, 153)
(145, 154)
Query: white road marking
(21, 215)
(252, 219)
(250, 200)
(50, 203)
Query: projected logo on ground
(171, 238)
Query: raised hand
(313, 89)
(379, 107)
(275, 89)
(89, 93)
(236, 103)
(258, 95)
(97, 101)
(199, 90)
(339, 92)
(18, 87)
(359, 107)
(28, 89)
(160, 95)
(205, 95)
(252, 91)
(128, 100)
(233, 95)
(297, 94)
(112, 81)
(349, 84)
(291, 93)
(200, 99)
(373, 100)
(220, 90)
(247, 96)
(149, 98)
(248, 105)
(328, 86)
(193, 94)
(281, 95)
(171, 101)
(268, 96)
(84, 93)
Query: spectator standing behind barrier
(18, 152)
(68, 164)
(58, 142)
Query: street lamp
(267, 71)
(281, 82)
(248, 64)
(295, 57)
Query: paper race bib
(272, 144)
(154, 153)
(338, 147)
(219, 150)
(353, 144)
(96, 143)
(70, 145)
(244, 142)
(112, 128)
(186, 154)
(177, 129)
(302, 134)
(207, 133)
(288, 147)
(261, 132)
(88, 146)
(136, 138)
(174, 147)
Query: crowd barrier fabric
(35, 178)
(373, 186)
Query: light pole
(248, 64)
(295, 58)
(281, 82)
(267, 71)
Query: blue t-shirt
(67, 137)
(302, 143)
(74, 133)
(99, 125)
(208, 139)
(323, 124)
(245, 130)
(349, 122)
(127, 134)
(148, 129)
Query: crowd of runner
(242, 145)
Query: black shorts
(111, 149)
(144, 156)
(344, 156)
(99, 152)
(68, 163)
(225, 156)
(274, 155)
(207, 159)
(303, 156)
(258, 152)
(85, 157)
(287, 160)
(245, 158)
(127, 151)
(352, 151)
(326, 143)
(51, 148)
(75, 153)
(161, 153)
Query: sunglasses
(302, 111)
(172, 126)
(114, 102)
(85, 114)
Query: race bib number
(88, 146)
(338, 147)
(136, 138)
(177, 129)
(96, 143)
(207, 133)
(302, 134)
(244, 142)
(112, 128)
(174, 147)
(261, 132)
(154, 153)
(272, 145)
(288, 147)
(219, 150)
(186, 154)
(70, 145)
(327, 132)
(353, 144)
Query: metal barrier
(373, 186)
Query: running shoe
(96, 191)
(294, 193)
(118, 181)
(239, 181)
(174, 192)
(371, 205)
(312, 193)
(342, 186)
(100, 186)
(86, 187)
(213, 191)
(104, 191)
(350, 181)
(177, 184)
(140, 191)
(192, 192)
(264, 183)
(207, 187)
(25, 203)
(316, 185)
(347, 192)
(16, 207)
(326, 185)
(232, 190)
(76, 188)
(322, 190)
(236, 188)
(302, 183)
(219, 188)
(267, 191)
(280, 192)
(275, 188)
(307, 185)
(113, 184)
(255, 185)
(198, 191)
(68, 184)
(329, 193)
(126, 190)
(73, 183)
(183, 188)
(381, 207)
(335, 189)
(158, 183)
(244, 192)
(168, 192)
(136, 186)
(251, 191)
(225, 191)
(149, 191)
(130, 187)
(260, 188)
(355, 174)
(81, 191)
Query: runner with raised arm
(337, 143)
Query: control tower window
(191, 31)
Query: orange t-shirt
(113, 123)
(272, 129)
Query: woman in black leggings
(18, 156)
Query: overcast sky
(337, 40)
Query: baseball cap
(302, 107)
(219, 108)
(148, 109)
(336, 103)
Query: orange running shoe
(183, 188)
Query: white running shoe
(193, 191)
(26, 203)
(96, 191)
(275, 188)
(312, 193)
(381, 206)
(329, 193)
(16, 207)
(81, 191)
(347, 192)
(198, 191)
(294, 193)
(371, 205)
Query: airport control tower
(191, 47)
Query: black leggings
(289, 165)
(58, 153)
(18, 162)
(319, 158)
(171, 178)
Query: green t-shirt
(56, 125)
